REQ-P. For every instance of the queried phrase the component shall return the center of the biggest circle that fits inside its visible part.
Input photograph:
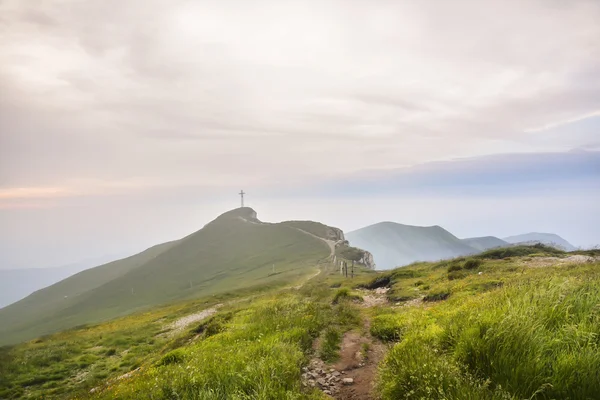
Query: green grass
(228, 254)
(502, 331)
(258, 355)
(330, 347)
(535, 336)
(520, 251)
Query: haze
(126, 124)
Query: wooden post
(352, 276)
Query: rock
(311, 383)
(336, 373)
(327, 392)
(347, 381)
(321, 382)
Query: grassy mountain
(394, 244)
(232, 252)
(485, 242)
(544, 238)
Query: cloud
(501, 175)
(205, 92)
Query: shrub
(172, 357)
(456, 275)
(472, 263)
(454, 267)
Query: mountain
(394, 244)
(15, 284)
(234, 251)
(544, 238)
(484, 243)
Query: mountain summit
(234, 251)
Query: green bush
(472, 263)
(172, 357)
(456, 275)
(454, 267)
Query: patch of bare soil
(372, 298)
(183, 322)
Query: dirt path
(359, 358)
(329, 243)
(352, 377)
(180, 324)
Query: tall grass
(258, 355)
(537, 338)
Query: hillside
(485, 242)
(394, 244)
(462, 326)
(550, 239)
(232, 252)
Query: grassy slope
(395, 244)
(504, 331)
(227, 254)
(511, 332)
(253, 348)
(67, 293)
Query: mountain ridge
(233, 251)
(393, 244)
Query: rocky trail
(352, 376)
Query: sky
(128, 123)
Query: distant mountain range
(393, 244)
(545, 238)
(15, 284)
(234, 251)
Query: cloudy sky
(127, 123)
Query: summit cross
(242, 197)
